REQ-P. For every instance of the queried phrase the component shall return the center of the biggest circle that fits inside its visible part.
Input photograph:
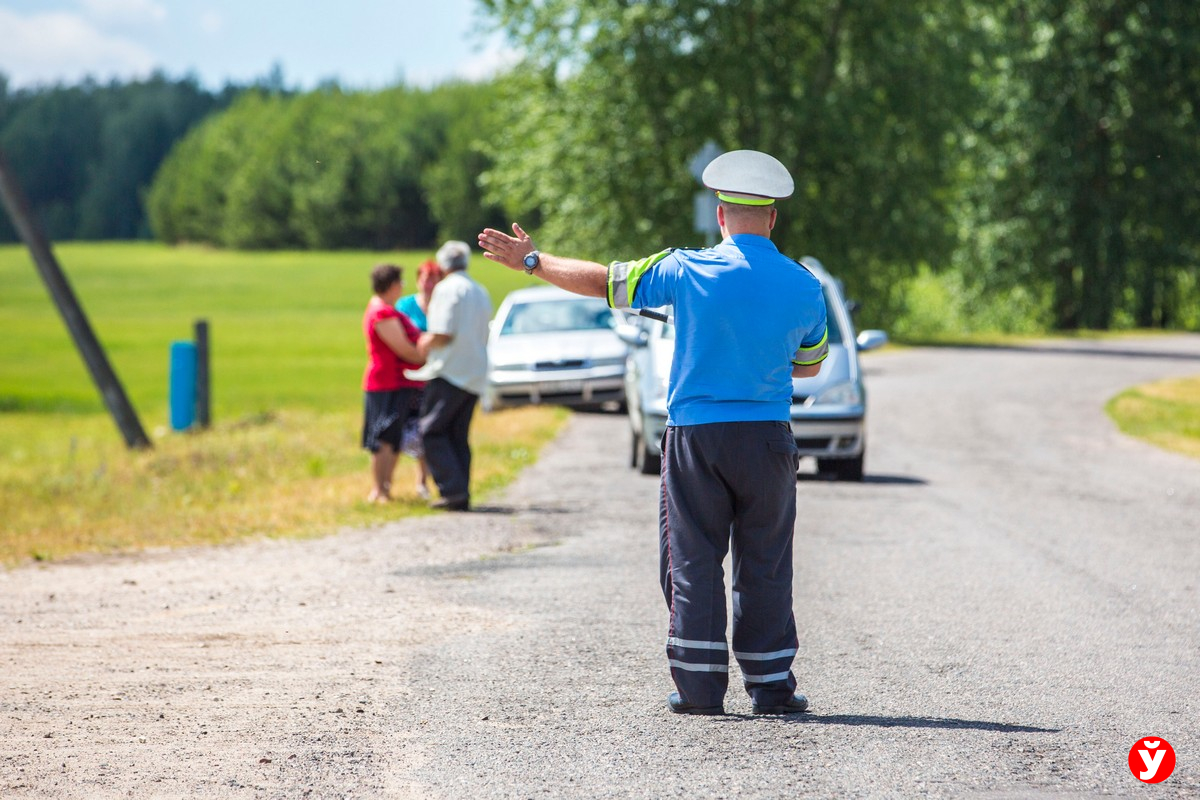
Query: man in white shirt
(455, 371)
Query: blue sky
(363, 43)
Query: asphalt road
(1002, 609)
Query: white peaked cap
(748, 177)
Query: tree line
(85, 154)
(329, 169)
(1027, 159)
(253, 166)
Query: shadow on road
(896, 480)
(508, 511)
(899, 480)
(856, 720)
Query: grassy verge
(1165, 413)
(287, 357)
(73, 487)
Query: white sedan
(548, 345)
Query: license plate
(562, 387)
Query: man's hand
(581, 277)
(430, 341)
(504, 249)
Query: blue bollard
(183, 385)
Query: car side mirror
(870, 340)
(632, 335)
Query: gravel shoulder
(1001, 610)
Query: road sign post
(705, 205)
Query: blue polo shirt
(744, 314)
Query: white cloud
(125, 12)
(211, 22)
(488, 63)
(481, 66)
(49, 47)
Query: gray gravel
(1001, 610)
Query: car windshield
(836, 335)
(558, 315)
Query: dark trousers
(446, 412)
(721, 483)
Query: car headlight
(660, 386)
(840, 394)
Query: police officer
(748, 319)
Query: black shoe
(677, 706)
(452, 504)
(797, 704)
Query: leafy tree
(141, 122)
(329, 169)
(51, 138)
(188, 197)
(258, 208)
(861, 100)
(451, 183)
(357, 182)
(1089, 143)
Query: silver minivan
(828, 410)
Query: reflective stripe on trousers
(723, 484)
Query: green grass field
(282, 457)
(284, 326)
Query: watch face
(531, 260)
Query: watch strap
(537, 262)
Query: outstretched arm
(581, 277)
(430, 341)
(393, 335)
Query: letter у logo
(1151, 759)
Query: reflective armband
(618, 278)
(623, 277)
(807, 356)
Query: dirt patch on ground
(220, 671)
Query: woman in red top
(391, 349)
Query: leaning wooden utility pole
(89, 347)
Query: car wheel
(842, 469)
(647, 462)
(636, 444)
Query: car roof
(816, 268)
(536, 294)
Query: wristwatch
(532, 261)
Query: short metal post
(203, 395)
